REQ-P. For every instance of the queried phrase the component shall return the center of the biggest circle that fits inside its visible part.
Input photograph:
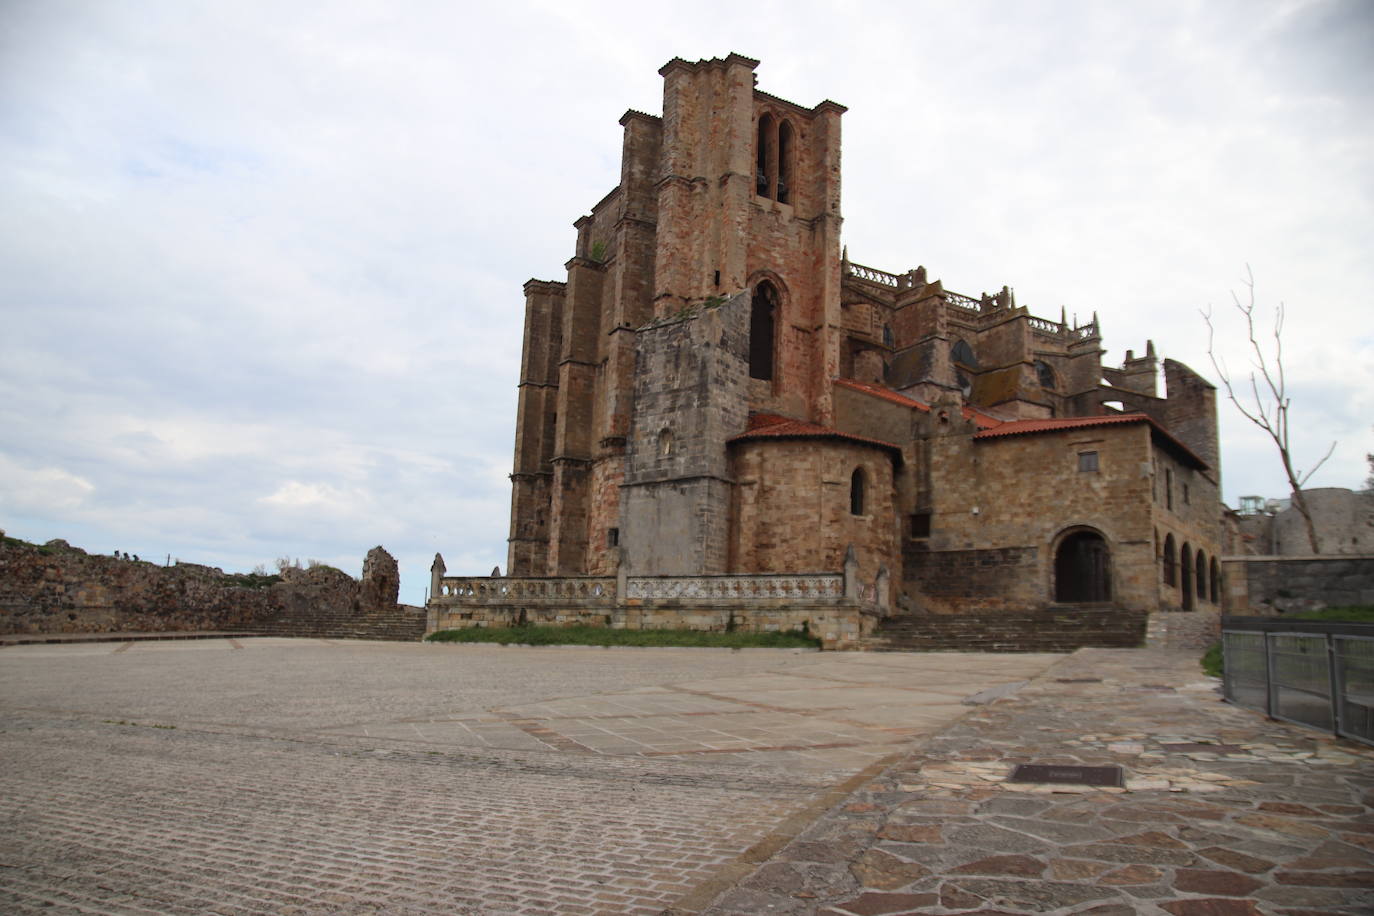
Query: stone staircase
(403, 623)
(1055, 629)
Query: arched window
(961, 352)
(1185, 565)
(763, 176)
(785, 143)
(1170, 561)
(1083, 568)
(665, 442)
(1045, 373)
(762, 320)
(1201, 575)
(888, 339)
(857, 484)
(1215, 580)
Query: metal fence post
(1334, 676)
(1269, 679)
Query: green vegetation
(604, 636)
(1360, 613)
(1211, 660)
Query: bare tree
(1269, 394)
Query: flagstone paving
(313, 776)
(1222, 812)
(308, 776)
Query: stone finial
(1063, 317)
(436, 575)
(438, 564)
(851, 573)
(496, 572)
(1149, 349)
(844, 254)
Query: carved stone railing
(820, 585)
(486, 588)
(964, 302)
(1045, 326)
(1085, 332)
(873, 275)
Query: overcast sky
(260, 263)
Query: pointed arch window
(1045, 373)
(763, 318)
(775, 159)
(763, 176)
(785, 143)
(961, 352)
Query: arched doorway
(1083, 568)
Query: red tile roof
(1050, 424)
(773, 426)
(1057, 424)
(887, 394)
(980, 419)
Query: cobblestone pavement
(314, 776)
(1222, 812)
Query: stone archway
(1083, 568)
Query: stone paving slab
(324, 776)
(1222, 812)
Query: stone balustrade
(485, 588)
(873, 275)
(730, 587)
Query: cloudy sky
(260, 263)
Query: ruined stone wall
(61, 589)
(1344, 521)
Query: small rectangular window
(1186, 500)
(1087, 461)
(612, 537)
(920, 525)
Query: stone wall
(56, 588)
(1282, 585)
(836, 608)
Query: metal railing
(1314, 673)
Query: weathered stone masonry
(717, 390)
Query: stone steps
(400, 625)
(1045, 630)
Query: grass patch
(605, 636)
(1211, 661)
(1361, 613)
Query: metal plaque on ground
(1067, 775)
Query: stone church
(716, 394)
